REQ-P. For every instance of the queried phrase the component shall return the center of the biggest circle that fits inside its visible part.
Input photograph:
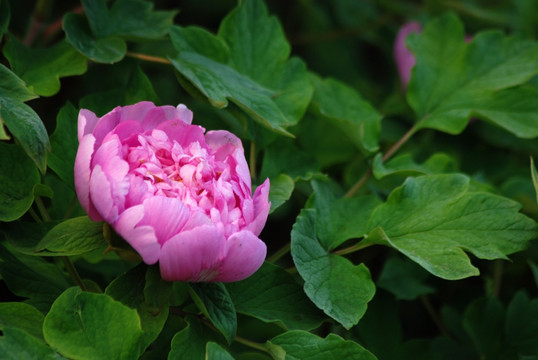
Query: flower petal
(86, 123)
(101, 195)
(261, 208)
(136, 112)
(192, 255)
(141, 238)
(405, 60)
(82, 175)
(183, 133)
(245, 254)
(161, 114)
(166, 215)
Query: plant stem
(498, 266)
(34, 216)
(433, 314)
(71, 207)
(387, 155)
(42, 209)
(53, 28)
(73, 271)
(279, 253)
(351, 249)
(150, 58)
(251, 344)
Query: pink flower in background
(405, 60)
(178, 196)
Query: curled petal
(261, 208)
(82, 175)
(141, 238)
(183, 133)
(193, 255)
(135, 112)
(405, 60)
(166, 215)
(101, 193)
(86, 123)
(245, 254)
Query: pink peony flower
(405, 60)
(177, 196)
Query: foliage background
(343, 106)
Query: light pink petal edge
(245, 254)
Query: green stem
(498, 266)
(387, 155)
(150, 58)
(433, 314)
(279, 253)
(34, 216)
(251, 344)
(351, 249)
(74, 273)
(71, 208)
(42, 209)
(252, 160)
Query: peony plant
(176, 195)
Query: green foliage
(436, 171)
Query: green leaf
(190, 343)
(272, 294)
(339, 219)
(41, 69)
(404, 165)
(64, 143)
(534, 175)
(4, 16)
(21, 316)
(521, 327)
(304, 345)
(343, 107)
(102, 36)
(483, 320)
(332, 282)
(17, 344)
(74, 326)
(216, 352)
(137, 88)
(433, 218)
(215, 303)
(452, 80)
(284, 157)
(18, 176)
(246, 63)
(404, 279)
(280, 191)
(23, 122)
(32, 277)
(141, 288)
(73, 237)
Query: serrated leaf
(452, 80)
(64, 143)
(406, 166)
(140, 289)
(17, 344)
(18, 176)
(304, 345)
(73, 237)
(215, 303)
(75, 327)
(23, 122)
(246, 63)
(101, 37)
(41, 69)
(271, 294)
(280, 191)
(21, 316)
(343, 107)
(332, 282)
(433, 218)
(190, 343)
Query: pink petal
(125, 130)
(225, 145)
(245, 254)
(83, 172)
(106, 124)
(182, 133)
(138, 192)
(161, 114)
(166, 215)
(184, 113)
(86, 123)
(192, 255)
(261, 208)
(141, 238)
(405, 60)
(136, 112)
(101, 195)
